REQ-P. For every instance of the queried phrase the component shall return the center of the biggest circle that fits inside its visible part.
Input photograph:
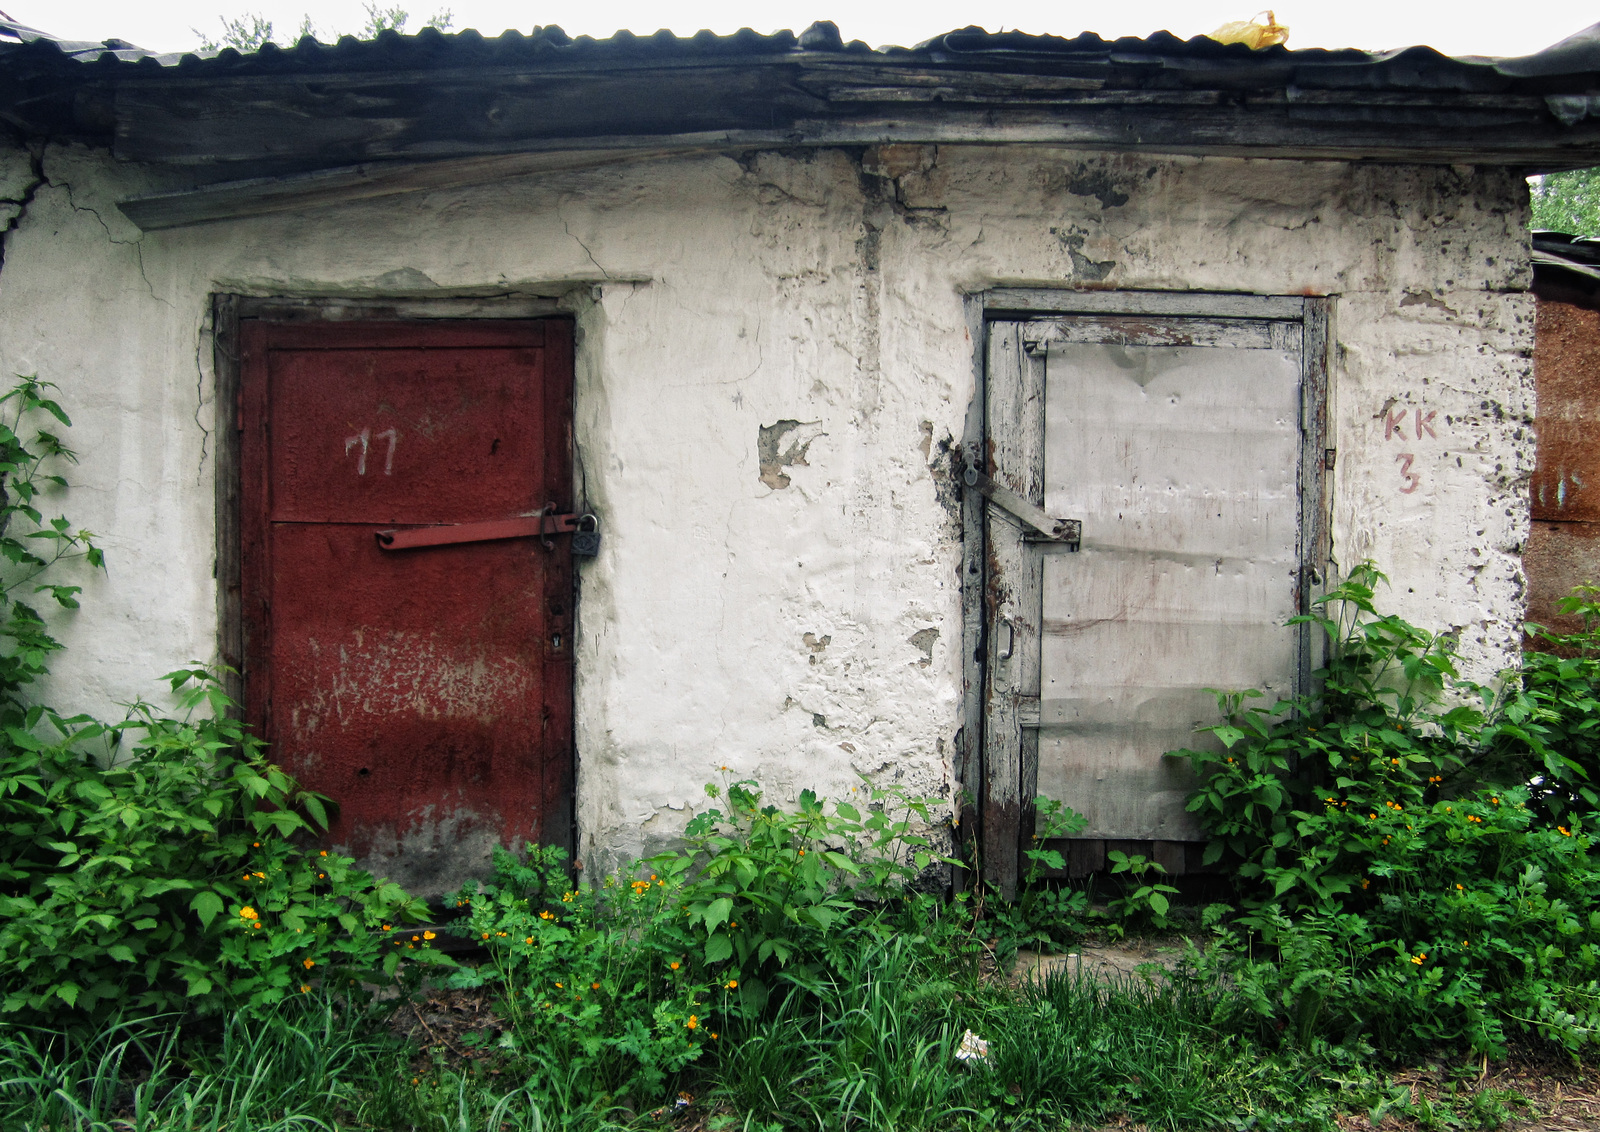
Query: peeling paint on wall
(783, 444)
(794, 295)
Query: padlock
(586, 537)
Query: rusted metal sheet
(1183, 462)
(429, 693)
(1566, 369)
(1557, 557)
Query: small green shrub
(1398, 897)
(603, 983)
(1043, 915)
(150, 864)
(1143, 902)
(634, 979)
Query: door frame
(997, 773)
(228, 312)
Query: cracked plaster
(807, 635)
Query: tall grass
(875, 1050)
(869, 1048)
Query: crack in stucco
(137, 245)
(567, 227)
(207, 325)
(36, 170)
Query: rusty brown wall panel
(1557, 557)
(1566, 374)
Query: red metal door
(428, 692)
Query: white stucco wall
(796, 632)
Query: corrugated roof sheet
(356, 109)
(1408, 68)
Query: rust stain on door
(429, 693)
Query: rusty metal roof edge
(971, 47)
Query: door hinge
(1068, 532)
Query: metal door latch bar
(1044, 528)
(540, 526)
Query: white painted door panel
(1182, 462)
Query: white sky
(1468, 27)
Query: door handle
(1011, 639)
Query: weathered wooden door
(1181, 443)
(429, 691)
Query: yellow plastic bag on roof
(1252, 34)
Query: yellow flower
(414, 939)
(255, 845)
(385, 927)
(429, 935)
(1417, 959)
(1563, 831)
(675, 964)
(713, 1035)
(560, 987)
(305, 988)
(732, 983)
(594, 986)
(308, 963)
(528, 940)
(693, 1022)
(547, 915)
(323, 853)
(1460, 889)
(248, 913)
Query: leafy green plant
(631, 980)
(1043, 914)
(1142, 901)
(597, 981)
(148, 864)
(1567, 202)
(1406, 886)
(767, 890)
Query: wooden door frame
(228, 312)
(997, 786)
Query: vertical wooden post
(1013, 603)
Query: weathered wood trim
(969, 751)
(1315, 482)
(260, 196)
(1018, 302)
(225, 464)
(339, 308)
(1014, 596)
